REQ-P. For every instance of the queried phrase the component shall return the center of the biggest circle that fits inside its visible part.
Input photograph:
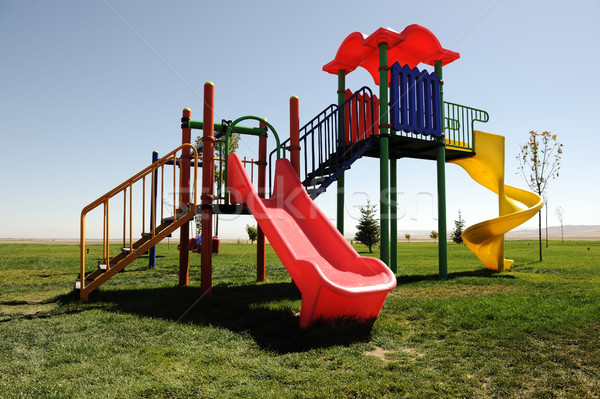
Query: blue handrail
(327, 151)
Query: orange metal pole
(82, 257)
(153, 200)
(130, 217)
(162, 191)
(124, 215)
(208, 142)
(262, 180)
(175, 187)
(104, 232)
(295, 133)
(107, 259)
(184, 192)
(144, 204)
(295, 138)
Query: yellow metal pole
(130, 216)
(82, 256)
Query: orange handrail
(128, 185)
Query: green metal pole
(393, 214)
(384, 162)
(441, 185)
(340, 181)
(218, 127)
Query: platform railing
(325, 149)
(460, 124)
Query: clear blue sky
(89, 89)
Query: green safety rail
(261, 132)
(460, 124)
(226, 128)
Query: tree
(234, 144)
(560, 214)
(219, 153)
(434, 235)
(459, 226)
(252, 233)
(368, 226)
(407, 236)
(539, 162)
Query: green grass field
(532, 332)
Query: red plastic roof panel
(414, 45)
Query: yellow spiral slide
(486, 239)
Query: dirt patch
(379, 353)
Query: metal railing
(156, 173)
(325, 152)
(459, 125)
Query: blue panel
(427, 115)
(415, 101)
(420, 125)
(395, 98)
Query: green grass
(530, 332)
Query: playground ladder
(183, 211)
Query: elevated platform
(403, 146)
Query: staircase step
(102, 266)
(312, 190)
(127, 251)
(318, 180)
(78, 281)
(179, 212)
(324, 171)
(149, 235)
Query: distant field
(530, 332)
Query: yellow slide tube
(486, 239)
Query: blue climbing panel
(415, 101)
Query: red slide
(334, 280)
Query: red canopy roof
(415, 44)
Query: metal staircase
(333, 140)
(183, 207)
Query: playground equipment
(333, 279)
(486, 167)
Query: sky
(90, 89)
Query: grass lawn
(531, 332)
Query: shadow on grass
(264, 311)
(433, 277)
(41, 314)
